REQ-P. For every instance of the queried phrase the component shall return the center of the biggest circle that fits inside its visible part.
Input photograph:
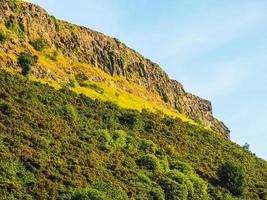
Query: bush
(89, 193)
(119, 137)
(232, 178)
(39, 44)
(18, 29)
(173, 190)
(157, 194)
(6, 108)
(200, 188)
(148, 146)
(149, 162)
(104, 140)
(147, 189)
(3, 36)
(150, 125)
(70, 112)
(140, 180)
(131, 120)
(165, 98)
(181, 166)
(182, 179)
(111, 191)
(56, 23)
(54, 55)
(132, 146)
(26, 60)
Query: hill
(82, 116)
(67, 52)
(61, 145)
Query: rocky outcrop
(109, 54)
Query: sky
(216, 49)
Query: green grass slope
(61, 145)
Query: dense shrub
(216, 193)
(200, 188)
(119, 137)
(232, 178)
(181, 166)
(157, 194)
(165, 98)
(173, 190)
(26, 60)
(148, 146)
(6, 108)
(89, 194)
(141, 180)
(3, 35)
(150, 125)
(164, 162)
(182, 179)
(45, 154)
(132, 146)
(56, 23)
(39, 44)
(18, 29)
(104, 140)
(150, 162)
(131, 120)
(70, 112)
(111, 190)
(54, 55)
(148, 189)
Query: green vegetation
(5, 108)
(54, 56)
(94, 87)
(232, 178)
(56, 23)
(165, 98)
(18, 29)
(26, 60)
(60, 145)
(246, 146)
(39, 44)
(14, 5)
(3, 35)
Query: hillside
(82, 116)
(69, 51)
(59, 145)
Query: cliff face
(81, 44)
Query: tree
(39, 44)
(246, 146)
(26, 60)
(6, 108)
(232, 178)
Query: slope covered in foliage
(60, 145)
(63, 52)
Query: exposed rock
(84, 45)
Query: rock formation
(109, 54)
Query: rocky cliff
(81, 44)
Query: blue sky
(216, 49)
